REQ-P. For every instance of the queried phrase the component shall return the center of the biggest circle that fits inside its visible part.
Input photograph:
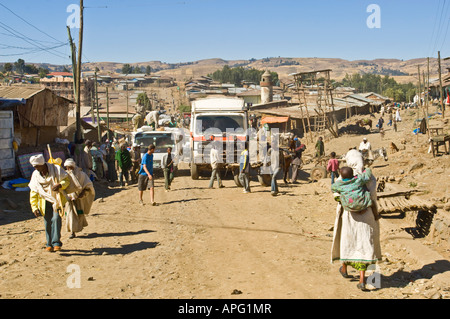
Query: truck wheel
(265, 179)
(194, 171)
(318, 173)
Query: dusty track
(201, 243)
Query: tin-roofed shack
(37, 113)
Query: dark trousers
(53, 224)
(168, 177)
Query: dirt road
(202, 243)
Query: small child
(354, 195)
(333, 167)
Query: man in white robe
(46, 184)
(81, 193)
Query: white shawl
(80, 181)
(43, 185)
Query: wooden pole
(80, 47)
(74, 63)
(99, 130)
(128, 122)
(92, 108)
(441, 92)
(426, 103)
(107, 112)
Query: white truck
(162, 139)
(225, 120)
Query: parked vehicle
(162, 139)
(219, 119)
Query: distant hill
(402, 71)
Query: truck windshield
(221, 123)
(162, 141)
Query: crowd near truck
(225, 120)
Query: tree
(148, 70)
(43, 72)
(127, 69)
(31, 69)
(19, 66)
(143, 99)
(8, 67)
(238, 74)
(137, 70)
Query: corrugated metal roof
(11, 92)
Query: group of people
(111, 161)
(393, 113)
(67, 190)
(56, 192)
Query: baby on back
(354, 195)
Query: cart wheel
(318, 173)
(265, 179)
(194, 171)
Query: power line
(434, 28)
(439, 26)
(31, 50)
(33, 26)
(19, 35)
(446, 32)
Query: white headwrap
(37, 160)
(70, 162)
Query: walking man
(124, 164)
(45, 198)
(320, 148)
(145, 180)
(215, 165)
(168, 168)
(297, 161)
(277, 163)
(244, 169)
(136, 161)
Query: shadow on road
(401, 278)
(183, 201)
(96, 235)
(122, 250)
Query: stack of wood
(400, 202)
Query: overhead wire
(33, 26)
(19, 35)
(439, 25)
(434, 28)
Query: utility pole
(92, 107)
(128, 122)
(80, 46)
(107, 112)
(74, 63)
(426, 104)
(99, 130)
(441, 92)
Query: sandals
(345, 275)
(362, 286)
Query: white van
(162, 139)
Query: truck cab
(217, 119)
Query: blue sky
(187, 30)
